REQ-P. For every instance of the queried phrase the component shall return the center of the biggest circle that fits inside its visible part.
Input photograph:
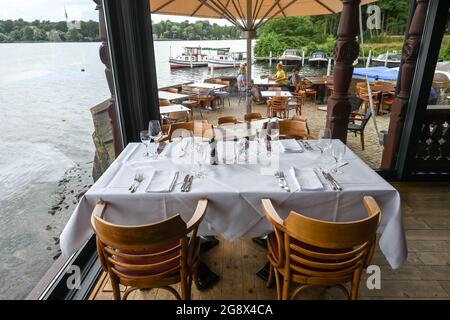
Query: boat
(376, 73)
(291, 57)
(192, 57)
(393, 60)
(225, 59)
(318, 59)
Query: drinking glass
(324, 142)
(155, 133)
(200, 157)
(145, 139)
(338, 151)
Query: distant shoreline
(158, 40)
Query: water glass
(338, 152)
(200, 157)
(155, 133)
(145, 139)
(324, 140)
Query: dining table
(267, 94)
(234, 187)
(206, 85)
(171, 96)
(266, 82)
(173, 108)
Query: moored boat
(318, 59)
(226, 59)
(192, 57)
(389, 60)
(291, 57)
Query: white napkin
(291, 179)
(308, 179)
(123, 178)
(162, 181)
(290, 145)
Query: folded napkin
(290, 145)
(308, 179)
(291, 179)
(162, 181)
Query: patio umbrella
(248, 15)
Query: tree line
(83, 31)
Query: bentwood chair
(172, 90)
(226, 120)
(156, 255)
(252, 116)
(310, 252)
(294, 129)
(201, 129)
(278, 106)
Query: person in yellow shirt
(280, 76)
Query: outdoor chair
(357, 124)
(156, 255)
(252, 116)
(309, 252)
(293, 129)
(278, 107)
(200, 128)
(226, 120)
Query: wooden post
(398, 110)
(104, 57)
(346, 50)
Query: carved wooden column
(104, 57)
(346, 51)
(398, 110)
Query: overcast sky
(53, 10)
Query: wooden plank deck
(425, 275)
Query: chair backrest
(355, 103)
(172, 90)
(194, 129)
(186, 89)
(177, 116)
(274, 89)
(293, 129)
(366, 118)
(157, 249)
(321, 249)
(226, 119)
(252, 116)
(164, 102)
(279, 102)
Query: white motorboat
(226, 59)
(291, 57)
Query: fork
(134, 181)
(283, 179)
(139, 179)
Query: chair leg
(355, 284)
(285, 292)
(278, 284)
(184, 283)
(362, 140)
(270, 280)
(115, 286)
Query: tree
(28, 34)
(73, 35)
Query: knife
(185, 181)
(330, 178)
(332, 185)
(189, 184)
(161, 147)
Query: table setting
(319, 178)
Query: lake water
(45, 136)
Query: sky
(53, 10)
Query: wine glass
(324, 142)
(338, 151)
(200, 157)
(155, 132)
(145, 139)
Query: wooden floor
(425, 275)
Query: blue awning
(376, 73)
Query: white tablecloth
(234, 192)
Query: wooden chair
(274, 89)
(302, 119)
(172, 90)
(310, 91)
(298, 103)
(156, 255)
(252, 116)
(226, 120)
(311, 252)
(201, 129)
(180, 116)
(278, 106)
(164, 102)
(294, 129)
(387, 101)
(363, 93)
(357, 124)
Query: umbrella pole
(249, 72)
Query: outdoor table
(173, 108)
(204, 85)
(319, 83)
(267, 94)
(171, 96)
(234, 192)
(266, 82)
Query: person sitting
(280, 76)
(294, 79)
(242, 72)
